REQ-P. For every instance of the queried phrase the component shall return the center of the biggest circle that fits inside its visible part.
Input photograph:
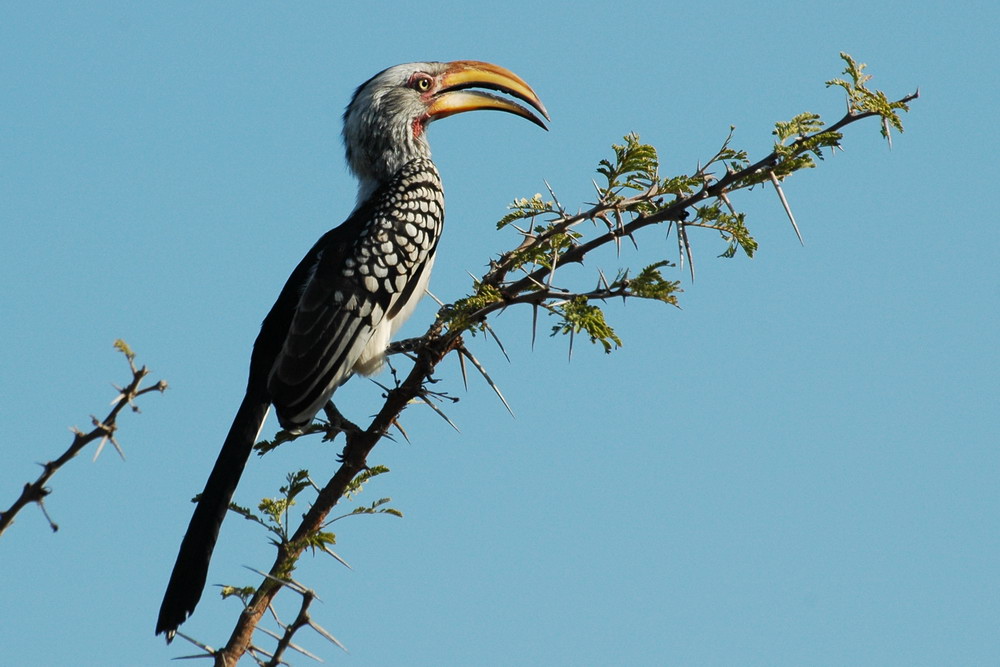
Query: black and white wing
(354, 288)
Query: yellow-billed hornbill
(351, 292)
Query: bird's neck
(369, 182)
(376, 152)
(366, 188)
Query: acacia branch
(104, 430)
(676, 211)
(535, 288)
(435, 347)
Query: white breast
(373, 356)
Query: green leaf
(354, 487)
(578, 316)
(247, 514)
(861, 100)
(376, 508)
(297, 482)
(735, 232)
(458, 317)
(800, 126)
(124, 348)
(650, 284)
(319, 540)
(521, 209)
(635, 167)
(682, 185)
(275, 508)
(242, 592)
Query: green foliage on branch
(578, 316)
(635, 166)
(633, 195)
(521, 209)
(650, 284)
(862, 101)
(274, 515)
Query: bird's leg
(404, 346)
(338, 423)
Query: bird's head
(385, 123)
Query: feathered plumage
(356, 286)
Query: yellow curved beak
(455, 97)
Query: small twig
(301, 620)
(104, 429)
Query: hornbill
(352, 291)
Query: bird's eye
(422, 84)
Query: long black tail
(191, 569)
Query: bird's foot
(338, 423)
(404, 346)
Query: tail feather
(191, 569)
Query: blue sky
(798, 467)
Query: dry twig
(103, 430)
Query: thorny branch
(103, 430)
(675, 212)
(556, 245)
